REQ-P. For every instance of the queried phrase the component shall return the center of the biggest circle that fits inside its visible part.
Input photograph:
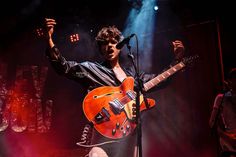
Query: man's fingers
(50, 26)
(177, 43)
(50, 21)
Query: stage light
(135, 24)
(74, 37)
(39, 32)
(155, 8)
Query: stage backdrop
(41, 111)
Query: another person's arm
(215, 110)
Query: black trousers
(122, 148)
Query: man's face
(109, 50)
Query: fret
(166, 74)
(172, 71)
(157, 79)
(146, 86)
(152, 84)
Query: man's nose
(109, 45)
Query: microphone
(124, 41)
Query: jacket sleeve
(70, 69)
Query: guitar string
(125, 99)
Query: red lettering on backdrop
(4, 115)
(22, 104)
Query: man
(223, 117)
(92, 75)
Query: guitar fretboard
(161, 77)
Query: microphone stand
(139, 90)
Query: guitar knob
(127, 127)
(117, 125)
(134, 111)
(113, 131)
(124, 132)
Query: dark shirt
(226, 124)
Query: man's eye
(105, 42)
(113, 42)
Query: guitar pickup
(116, 106)
(102, 116)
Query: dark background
(178, 125)
(19, 17)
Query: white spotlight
(155, 8)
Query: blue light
(155, 8)
(142, 23)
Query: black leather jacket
(91, 74)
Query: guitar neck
(163, 76)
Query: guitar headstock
(190, 59)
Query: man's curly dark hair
(108, 33)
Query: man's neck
(114, 64)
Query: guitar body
(110, 109)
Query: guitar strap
(88, 136)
